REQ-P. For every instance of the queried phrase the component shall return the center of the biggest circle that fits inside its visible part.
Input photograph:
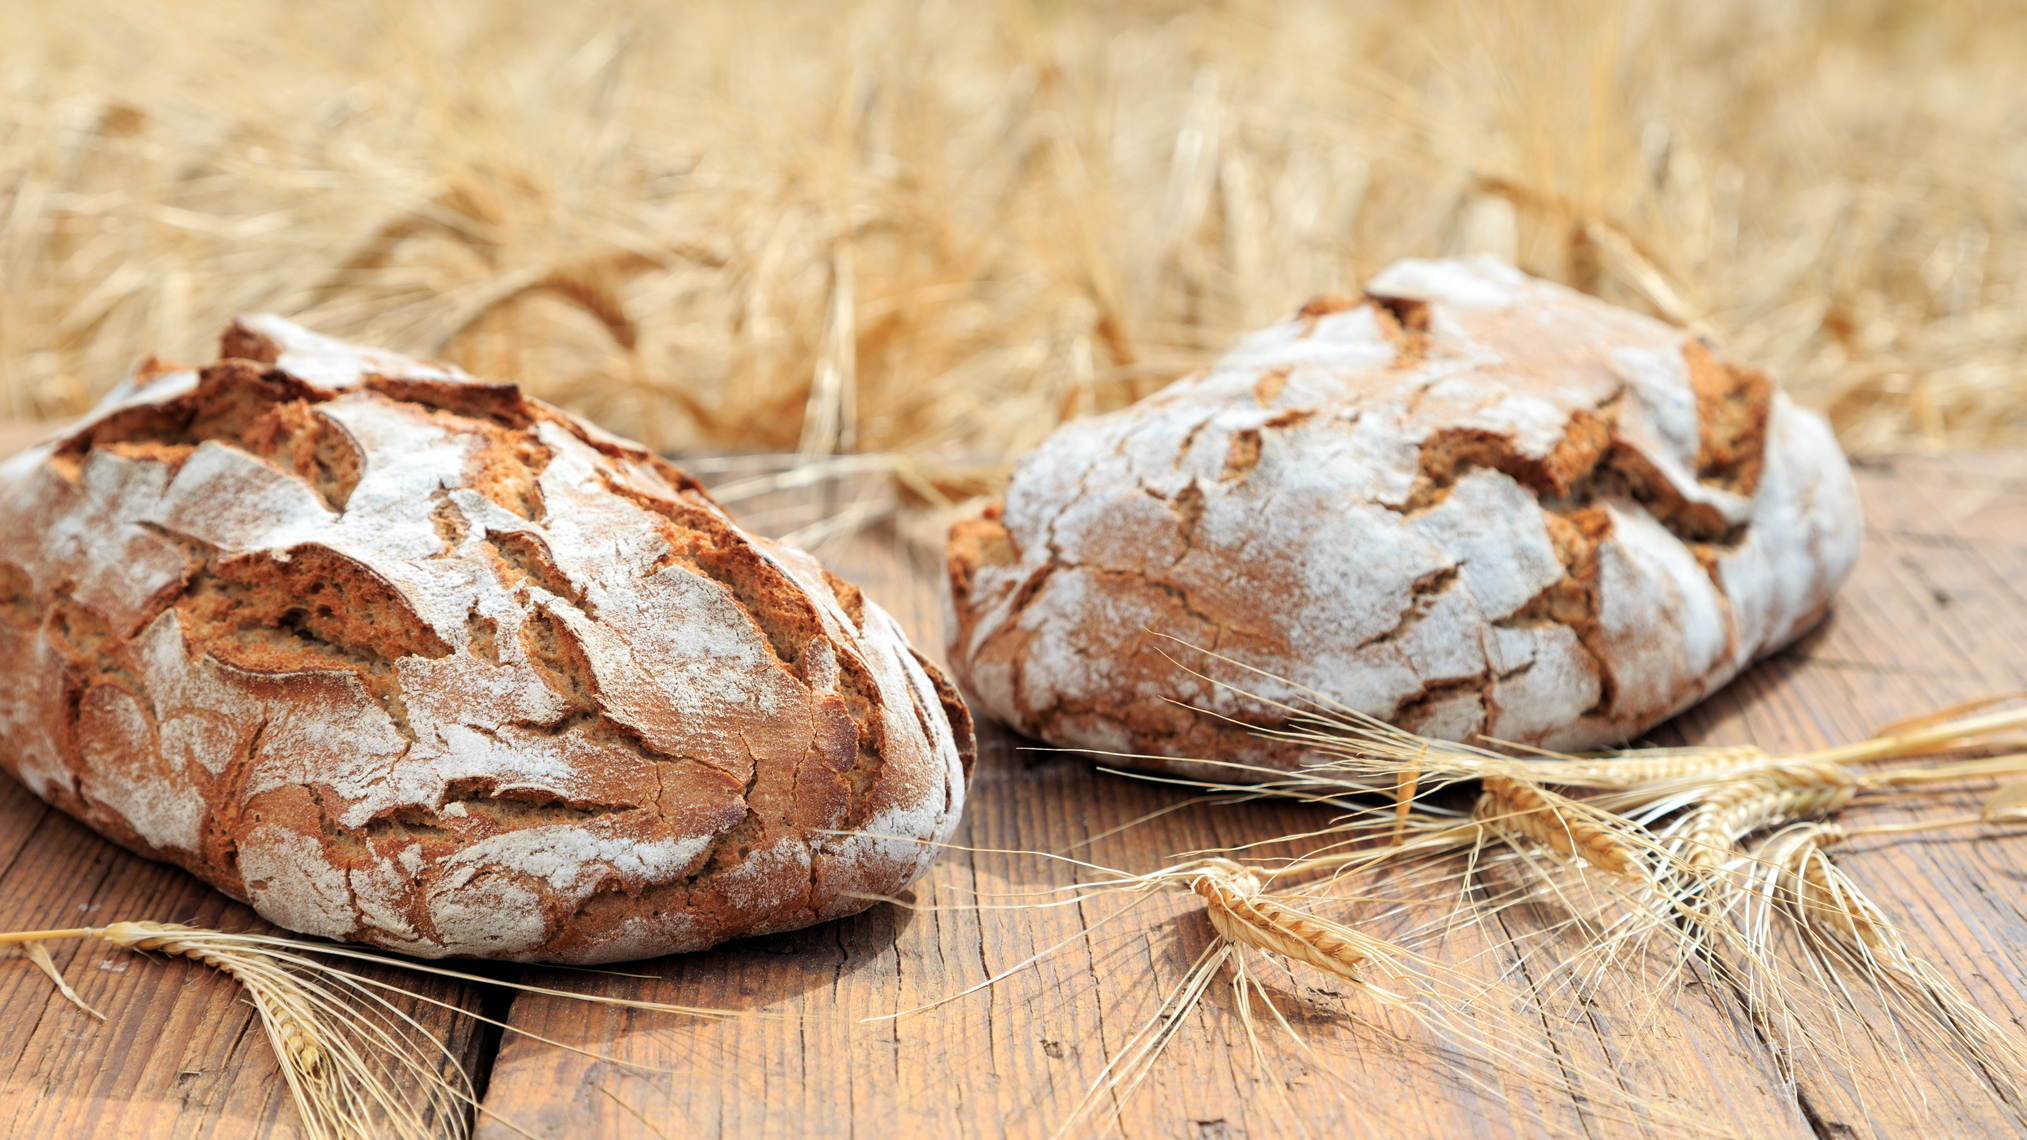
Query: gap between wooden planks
(1936, 612)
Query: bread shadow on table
(1790, 700)
(751, 973)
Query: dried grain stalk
(357, 1066)
(640, 209)
(1654, 857)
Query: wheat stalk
(1664, 826)
(1676, 824)
(642, 211)
(353, 1069)
(1480, 1029)
(357, 1066)
(1647, 766)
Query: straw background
(939, 228)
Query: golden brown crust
(409, 659)
(1472, 502)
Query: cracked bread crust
(1472, 502)
(404, 658)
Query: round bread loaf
(409, 659)
(1472, 502)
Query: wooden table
(1936, 613)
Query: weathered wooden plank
(1020, 1058)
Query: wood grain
(1936, 613)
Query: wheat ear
(1517, 807)
(1763, 798)
(1241, 913)
(1647, 766)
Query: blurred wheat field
(937, 229)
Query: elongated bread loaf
(410, 659)
(1471, 502)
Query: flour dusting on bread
(408, 658)
(1469, 502)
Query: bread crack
(1422, 597)
(94, 652)
(705, 543)
(501, 404)
(19, 605)
(523, 557)
(850, 599)
(1572, 601)
(313, 609)
(562, 665)
(242, 403)
(1268, 387)
(517, 806)
(1405, 322)
(1448, 455)
(1733, 403)
(504, 465)
(482, 635)
(327, 602)
(230, 401)
(1415, 711)
(224, 825)
(1175, 593)
(1188, 506)
(1242, 454)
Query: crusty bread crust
(409, 659)
(1470, 502)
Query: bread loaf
(1470, 502)
(405, 658)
